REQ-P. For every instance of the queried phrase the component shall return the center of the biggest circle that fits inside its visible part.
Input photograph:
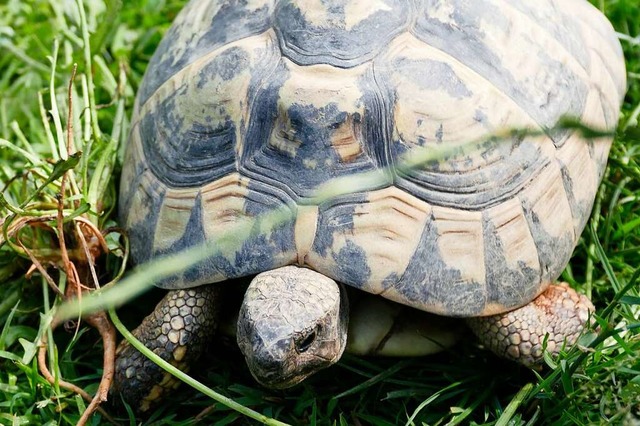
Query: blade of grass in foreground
(188, 379)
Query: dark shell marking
(336, 32)
(249, 106)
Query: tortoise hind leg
(182, 323)
(559, 312)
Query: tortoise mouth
(275, 379)
(288, 375)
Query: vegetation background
(40, 40)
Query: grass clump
(58, 180)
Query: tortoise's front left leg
(177, 330)
(559, 312)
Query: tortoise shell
(250, 106)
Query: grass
(598, 383)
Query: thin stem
(189, 380)
(55, 113)
(47, 129)
(87, 71)
(26, 154)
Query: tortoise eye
(303, 345)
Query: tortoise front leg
(519, 335)
(177, 330)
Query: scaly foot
(559, 312)
(177, 330)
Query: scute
(448, 287)
(314, 123)
(511, 257)
(191, 128)
(141, 218)
(341, 33)
(366, 238)
(440, 102)
(545, 86)
(200, 28)
(250, 107)
(546, 207)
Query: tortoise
(253, 108)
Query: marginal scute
(510, 258)
(548, 214)
(460, 242)
(231, 207)
(449, 262)
(173, 217)
(442, 289)
(383, 226)
(133, 166)
(581, 177)
(598, 116)
(147, 197)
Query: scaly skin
(293, 322)
(519, 335)
(177, 330)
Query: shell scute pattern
(549, 217)
(200, 28)
(544, 92)
(310, 125)
(511, 257)
(144, 206)
(184, 220)
(337, 32)
(377, 229)
(191, 127)
(446, 287)
(488, 172)
(249, 106)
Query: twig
(41, 269)
(75, 288)
(101, 322)
(70, 145)
(96, 233)
(44, 370)
(89, 255)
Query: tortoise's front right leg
(177, 330)
(558, 315)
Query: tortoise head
(292, 323)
